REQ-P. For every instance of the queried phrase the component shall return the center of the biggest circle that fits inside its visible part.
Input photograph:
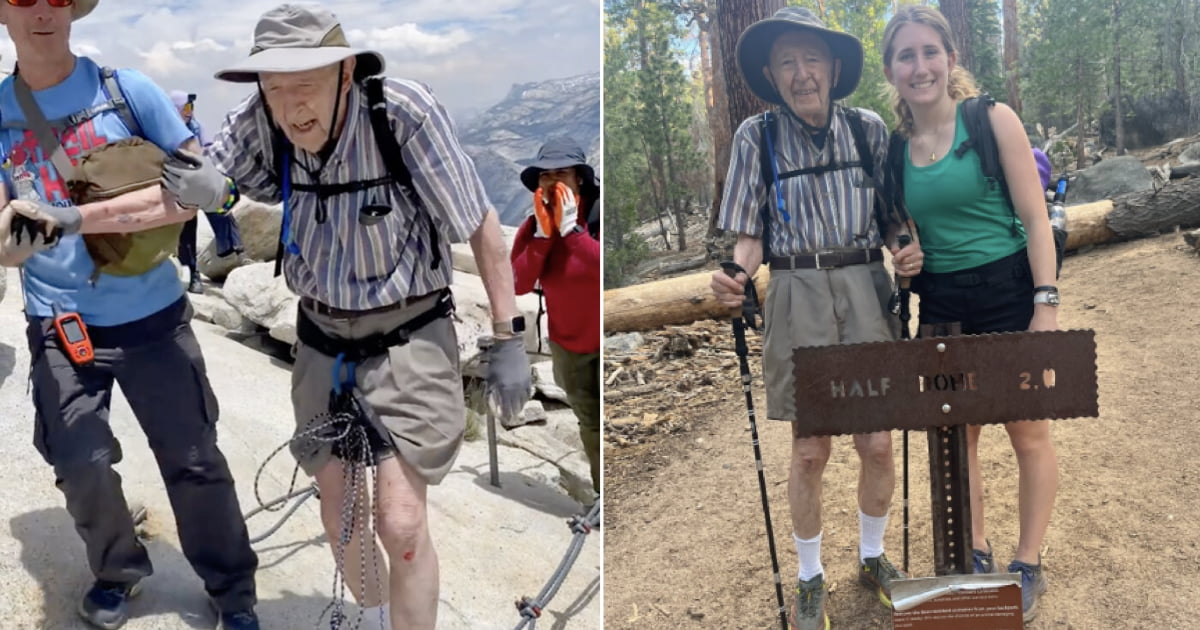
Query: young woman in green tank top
(984, 268)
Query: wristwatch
(1045, 295)
(514, 326)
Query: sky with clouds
(469, 51)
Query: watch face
(518, 324)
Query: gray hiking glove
(52, 220)
(508, 377)
(194, 181)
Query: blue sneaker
(984, 561)
(106, 604)
(1033, 585)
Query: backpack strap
(866, 157)
(36, 120)
(767, 125)
(116, 97)
(982, 139)
(393, 157)
(893, 176)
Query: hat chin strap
(807, 126)
(330, 139)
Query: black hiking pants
(158, 364)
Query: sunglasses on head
(59, 4)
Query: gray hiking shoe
(1033, 585)
(984, 561)
(878, 574)
(106, 604)
(807, 611)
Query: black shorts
(995, 297)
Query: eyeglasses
(58, 4)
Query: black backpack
(981, 139)
(768, 123)
(393, 158)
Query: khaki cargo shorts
(415, 390)
(820, 307)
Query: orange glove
(560, 215)
(546, 220)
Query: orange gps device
(73, 335)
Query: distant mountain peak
(508, 134)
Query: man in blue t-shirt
(226, 237)
(138, 324)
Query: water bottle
(1058, 215)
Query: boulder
(258, 224)
(1191, 155)
(263, 298)
(463, 258)
(1109, 178)
(572, 463)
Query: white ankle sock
(371, 615)
(870, 535)
(809, 551)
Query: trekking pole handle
(750, 299)
(904, 240)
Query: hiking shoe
(878, 573)
(196, 285)
(807, 611)
(984, 561)
(1033, 584)
(106, 604)
(239, 620)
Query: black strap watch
(515, 326)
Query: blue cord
(285, 235)
(338, 381)
(775, 173)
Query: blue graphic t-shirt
(62, 274)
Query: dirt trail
(685, 544)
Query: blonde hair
(961, 84)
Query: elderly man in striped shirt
(800, 182)
(367, 214)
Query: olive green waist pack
(106, 172)
(110, 171)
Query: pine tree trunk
(732, 17)
(960, 28)
(1118, 117)
(1012, 54)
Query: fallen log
(686, 299)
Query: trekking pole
(905, 315)
(740, 322)
(485, 343)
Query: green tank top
(962, 220)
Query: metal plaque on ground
(960, 602)
(945, 381)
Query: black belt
(359, 349)
(830, 259)
(1014, 266)
(322, 308)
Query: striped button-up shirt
(341, 262)
(829, 210)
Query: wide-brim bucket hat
(299, 37)
(558, 152)
(82, 8)
(754, 52)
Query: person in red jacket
(558, 247)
